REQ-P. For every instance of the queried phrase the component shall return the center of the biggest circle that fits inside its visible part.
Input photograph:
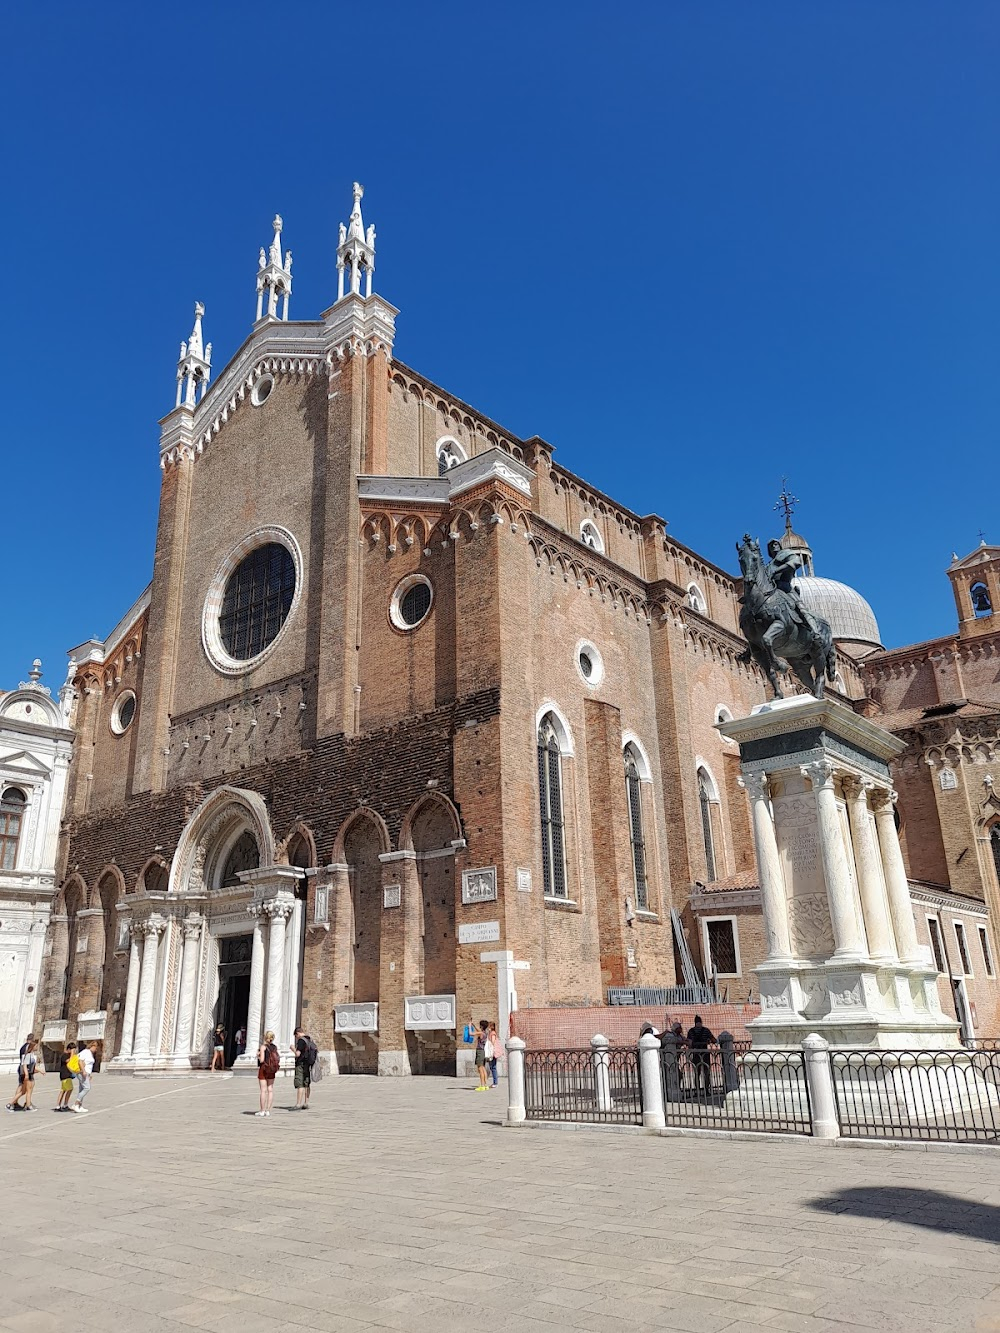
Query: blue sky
(696, 246)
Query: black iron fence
(732, 1087)
(590, 1086)
(952, 1095)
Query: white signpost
(506, 992)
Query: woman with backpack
(268, 1064)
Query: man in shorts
(67, 1076)
(305, 1057)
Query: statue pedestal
(843, 958)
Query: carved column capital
(152, 927)
(757, 785)
(820, 774)
(883, 799)
(277, 907)
(857, 788)
(192, 926)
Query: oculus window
(123, 713)
(411, 602)
(257, 600)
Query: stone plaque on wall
(523, 879)
(479, 886)
(392, 895)
(356, 1017)
(479, 932)
(427, 1013)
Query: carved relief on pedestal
(844, 993)
(809, 925)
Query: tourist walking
(268, 1064)
(699, 1038)
(69, 1067)
(26, 1074)
(482, 1037)
(86, 1058)
(14, 1103)
(305, 1051)
(218, 1049)
(493, 1049)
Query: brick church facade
(404, 689)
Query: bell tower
(975, 581)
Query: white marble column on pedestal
(881, 944)
(191, 927)
(255, 1007)
(774, 899)
(896, 885)
(152, 930)
(278, 911)
(131, 993)
(293, 949)
(833, 855)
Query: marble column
(255, 1007)
(278, 911)
(131, 993)
(152, 930)
(867, 861)
(192, 927)
(293, 950)
(774, 899)
(897, 887)
(833, 855)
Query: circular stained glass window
(257, 601)
(411, 602)
(123, 713)
(586, 665)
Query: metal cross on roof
(786, 502)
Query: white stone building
(35, 746)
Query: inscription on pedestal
(798, 846)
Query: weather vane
(786, 502)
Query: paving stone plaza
(404, 1204)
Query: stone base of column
(141, 1064)
(394, 1064)
(859, 1005)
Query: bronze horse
(777, 631)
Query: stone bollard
(515, 1081)
(670, 1055)
(650, 1079)
(819, 1076)
(602, 1072)
(730, 1072)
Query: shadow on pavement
(918, 1207)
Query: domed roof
(849, 614)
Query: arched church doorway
(232, 1007)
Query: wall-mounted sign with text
(479, 932)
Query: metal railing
(590, 1086)
(733, 1088)
(952, 1095)
(663, 996)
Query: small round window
(123, 712)
(411, 602)
(261, 391)
(589, 663)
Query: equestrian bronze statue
(779, 630)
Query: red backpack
(272, 1060)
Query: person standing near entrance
(482, 1037)
(305, 1051)
(699, 1039)
(268, 1064)
(218, 1049)
(86, 1058)
(241, 1042)
(493, 1053)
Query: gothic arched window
(706, 797)
(449, 454)
(696, 598)
(550, 807)
(995, 847)
(12, 806)
(243, 855)
(590, 536)
(633, 791)
(980, 597)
